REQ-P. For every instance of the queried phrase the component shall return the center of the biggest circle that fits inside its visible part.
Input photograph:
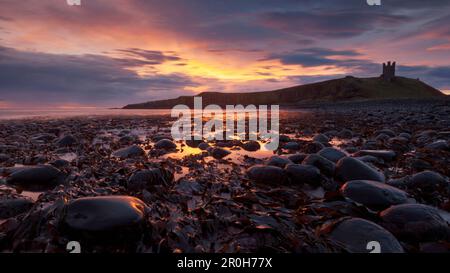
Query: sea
(55, 113)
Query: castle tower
(388, 71)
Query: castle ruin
(388, 71)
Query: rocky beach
(343, 176)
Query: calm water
(16, 113)
(51, 113)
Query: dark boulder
(36, 178)
(415, 222)
(349, 168)
(267, 174)
(373, 194)
(356, 235)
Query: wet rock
(60, 163)
(128, 139)
(405, 135)
(415, 222)
(36, 178)
(381, 138)
(44, 137)
(194, 143)
(219, 153)
(66, 141)
(321, 138)
(345, 134)
(438, 145)
(299, 174)
(313, 147)
(373, 194)
(278, 161)
(386, 155)
(427, 180)
(251, 146)
(284, 138)
(10, 207)
(158, 137)
(203, 146)
(293, 146)
(4, 158)
(349, 168)
(398, 144)
(165, 144)
(388, 132)
(145, 179)
(297, 158)
(129, 152)
(356, 233)
(420, 164)
(369, 159)
(324, 165)
(267, 174)
(104, 213)
(332, 154)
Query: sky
(107, 53)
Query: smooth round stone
(267, 174)
(297, 158)
(405, 135)
(293, 146)
(66, 141)
(251, 146)
(284, 138)
(345, 134)
(203, 146)
(165, 144)
(104, 213)
(415, 222)
(144, 179)
(278, 161)
(313, 147)
(332, 154)
(427, 180)
(324, 165)
(158, 137)
(60, 163)
(11, 207)
(219, 153)
(129, 152)
(4, 158)
(349, 168)
(129, 139)
(303, 174)
(356, 233)
(44, 137)
(193, 143)
(386, 155)
(373, 194)
(369, 159)
(321, 138)
(388, 132)
(438, 145)
(382, 137)
(36, 178)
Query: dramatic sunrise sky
(115, 52)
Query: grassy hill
(338, 90)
